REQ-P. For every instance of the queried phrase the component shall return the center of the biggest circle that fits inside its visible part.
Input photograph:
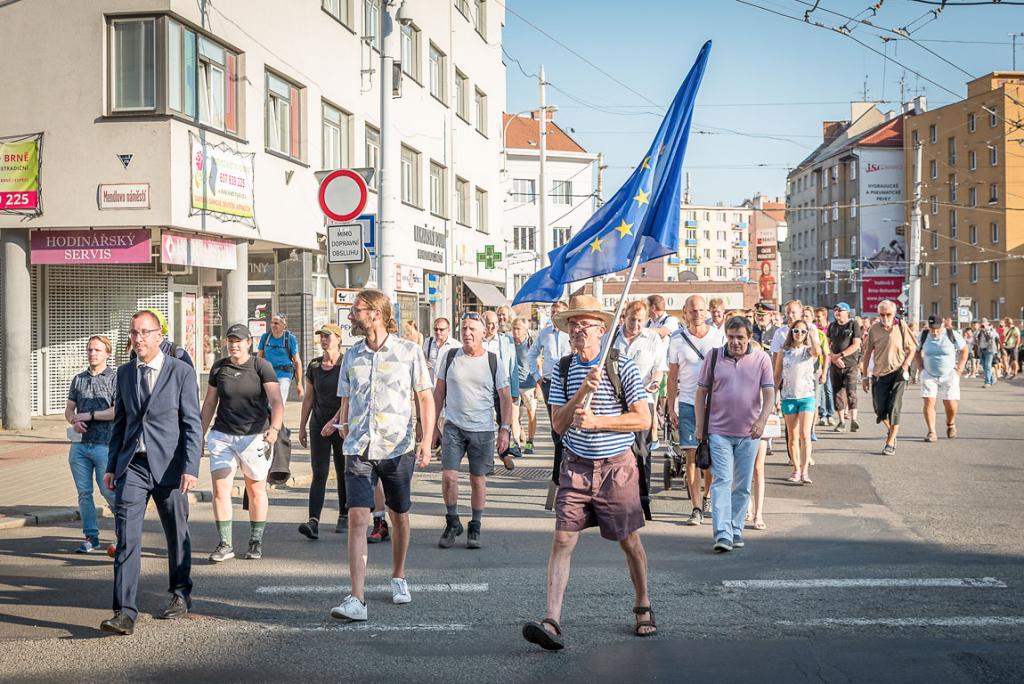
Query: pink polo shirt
(736, 396)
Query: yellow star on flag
(624, 229)
(646, 165)
(641, 198)
(595, 246)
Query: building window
(707, 271)
(824, 178)
(284, 116)
(438, 70)
(691, 216)
(853, 170)
(853, 246)
(952, 188)
(935, 239)
(952, 261)
(993, 193)
(372, 154)
(951, 145)
(561, 192)
(993, 155)
(481, 110)
(915, 137)
(334, 144)
(560, 236)
(972, 197)
(853, 208)
(411, 51)
(339, 9)
(524, 191)
(462, 200)
(202, 79)
(480, 17)
(935, 204)
(935, 309)
(134, 64)
(463, 7)
(952, 223)
(972, 160)
(994, 233)
(824, 216)
(410, 174)
(933, 136)
(933, 168)
(935, 276)
(995, 271)
(992, 117)
(971, 123)
(835, 211)
(462, 95)
(523, 238)
(835, 247)
(973, 270)
(481, 211)
(438, 190)
(972, 234)
(720, 272)
(371, 23)
(720, 253)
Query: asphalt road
(904, 568)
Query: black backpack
(492, 361)
(924, 338)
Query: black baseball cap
(934, 322)
(239, 331)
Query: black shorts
(395, 475)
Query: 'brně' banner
(221, 182)
(20, 174)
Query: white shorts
(230, 451)
(529, 399)
(946, 388)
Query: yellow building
(972, 198)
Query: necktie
(144, 388)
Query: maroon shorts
(599, 492)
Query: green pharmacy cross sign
(488, 257)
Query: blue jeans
(987, 358)
(732, 466)
(826, 407)
(89, 461)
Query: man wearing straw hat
(598, 482)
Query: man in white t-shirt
(687, 351)
(716, 311)
(438, 344)
(468, 381)
(663, 324)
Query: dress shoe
(178, 607)
(119, 624)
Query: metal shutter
(82, 301)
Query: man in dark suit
(154, 452)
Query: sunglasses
(440, 329)
(799, 331)
(472, 316)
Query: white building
(136, 92)
(713, 244)
(569, 175)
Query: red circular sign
(342, 195)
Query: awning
(487, 294)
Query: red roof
(889, 134)
(523, 133)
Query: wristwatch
(505, 426)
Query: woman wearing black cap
(321, 399)
(245, 396)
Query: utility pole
(386, 199)
(542, 181)
(1013, 39)
(914, 265)
(600, 179)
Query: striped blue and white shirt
(588, 443)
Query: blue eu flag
(643, 215)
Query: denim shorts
(687, 425)
(395, 475)
(791, 406)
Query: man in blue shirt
(942, 354)
(598, 480)
(281, 349)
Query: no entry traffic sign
(342, 195)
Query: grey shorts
(478, 447)
(394, 474)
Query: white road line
(968, 621)
(374, 589)
(947, 582)
(370, 627)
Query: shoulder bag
(703, 456)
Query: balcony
(740, 243)
(739, 262)
(690, 242)
(690, 223)
(673, 260)
(739, 226)
(690, 261)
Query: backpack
(492, 361)
(924, 338)
(611, 371)
(291, 347)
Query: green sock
(224, 530)
(256, 530)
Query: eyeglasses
(799, 332)
(438, 329)
(136, 334)
(583, 326)
(472, 316)
(357, 309)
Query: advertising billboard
(19, 174)
(222, 182)
(883, 253)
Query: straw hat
(581, 305)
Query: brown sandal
(535, 633)
(951, 431)
(644, 610)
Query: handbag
(772, 427)
(703, 455)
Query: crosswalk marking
(912, 582)
(373, 589)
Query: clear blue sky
(758, 59)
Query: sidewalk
(36, 486)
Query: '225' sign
(18, 200)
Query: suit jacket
(170, 423)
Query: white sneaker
(400, 591)
(350, 609)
